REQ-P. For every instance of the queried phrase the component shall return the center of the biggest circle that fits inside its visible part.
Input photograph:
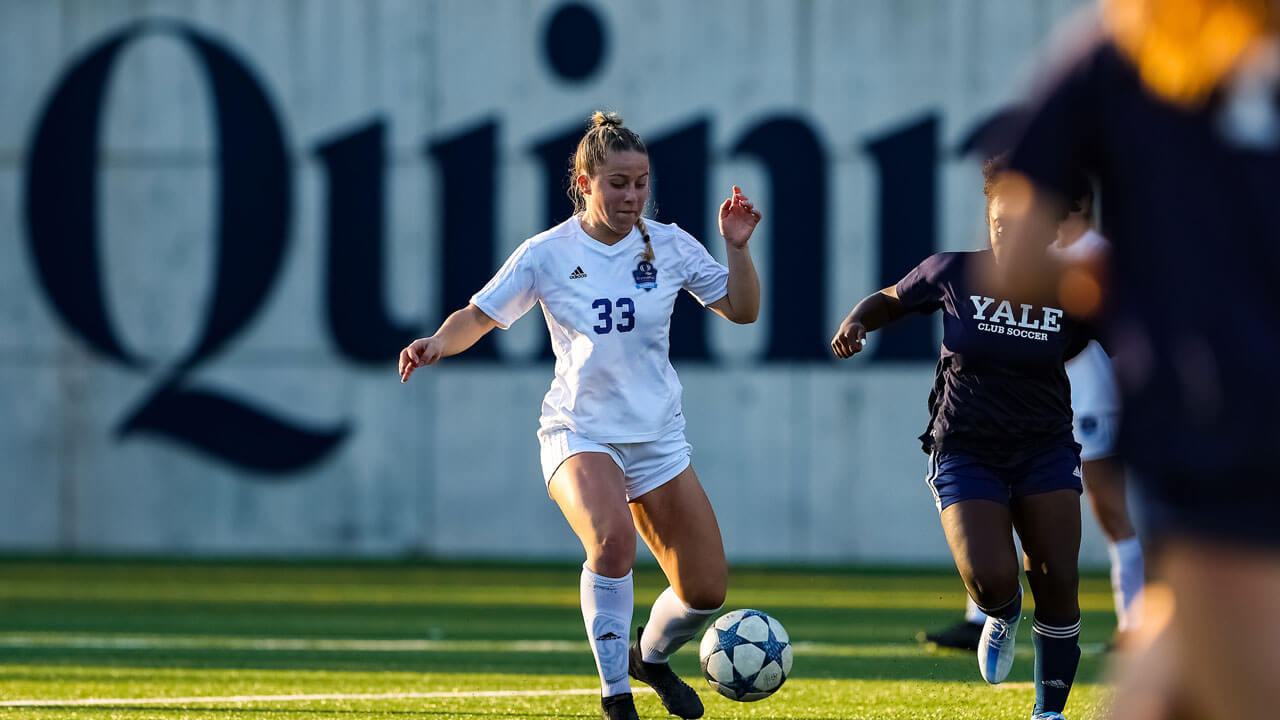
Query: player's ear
(584, 183)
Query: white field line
(67, 641)
(268, 644)
(196, 700)
(196, 642)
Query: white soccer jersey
(1093, 387)
(609, 315)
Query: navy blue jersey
(1190, 200)
(1001, 391)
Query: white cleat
(995, 648)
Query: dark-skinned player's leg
(1049, 525)
(980, 533)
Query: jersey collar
(619, 247)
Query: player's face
(997, 218)
(619, 190)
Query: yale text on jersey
(1003, 321)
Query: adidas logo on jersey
(577, 273)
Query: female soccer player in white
(614, 455)
(1095, 405)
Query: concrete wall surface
(220, 220)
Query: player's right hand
(849, 339)
(423, 351)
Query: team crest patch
(646, 275)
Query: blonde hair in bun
(605, 134)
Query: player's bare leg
(1148, 684)
(1049, 525)
(590, 490)
(677, 522)
(981, 538)
(1225, 621)
(980, 534)
(1104, 478)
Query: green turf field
(224, 641)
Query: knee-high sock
(1126, 580)
(972, 612)
(671, 625)
(1057, 655)
(607, 605)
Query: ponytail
(648, 246)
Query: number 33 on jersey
(609, 315)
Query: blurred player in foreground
(1172, 106)
(614, 454)
(1095, 410)
(1001, 450)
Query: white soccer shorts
(645, 465)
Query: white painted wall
(813, 462)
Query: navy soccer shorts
(956, 476)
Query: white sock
(607, 604)
(671, 625)
(1126, 580)
(972, 612)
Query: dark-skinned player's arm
(874, 312)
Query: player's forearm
(877, 310)
(463, 329)
(744, 286)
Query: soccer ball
(746, 655)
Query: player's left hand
(738, 219)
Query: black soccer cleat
(964, 635)
(618, 707)
(676, 696)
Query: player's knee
(1115, 524)
(708, 597)
(612, 554)
(992, 585)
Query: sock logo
(1057, 684)
(611, 656)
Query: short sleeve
(512, 291)
(705, 278)
(921, 290)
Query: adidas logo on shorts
(577, 273)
